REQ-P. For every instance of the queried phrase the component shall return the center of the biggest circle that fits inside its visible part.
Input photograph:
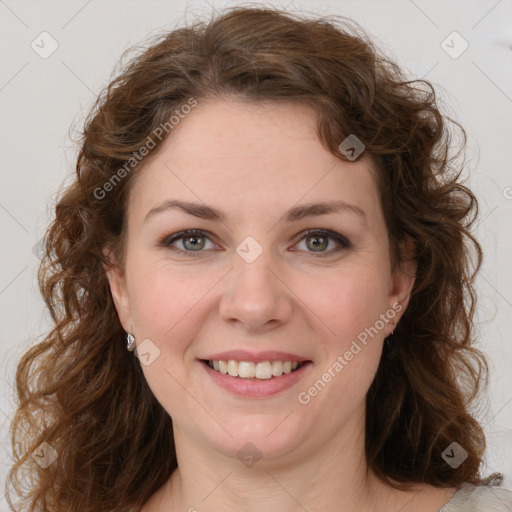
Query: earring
(130, 342)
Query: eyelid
(343, 242)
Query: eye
(193, 240)
(318, 240)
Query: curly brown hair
(81, 392)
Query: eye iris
(320, 245)
(195, 244)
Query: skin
(255, 162)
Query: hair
(83, 393)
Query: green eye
(320, 241)
(194, 241)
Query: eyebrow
(296, 213)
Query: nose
(255, 295)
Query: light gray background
(41, 98)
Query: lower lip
(256, 388)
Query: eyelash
(342, 241)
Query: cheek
(167, 308)
(351, 306)
(168, 303)
(346, 301)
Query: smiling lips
(251, 375)
(264, 386)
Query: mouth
(247, 370)
(255, 380)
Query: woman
(262, 288)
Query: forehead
(251, 158)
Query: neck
(331, 475)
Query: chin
(261, 436)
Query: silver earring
(130, 342)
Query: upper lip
(255, 357)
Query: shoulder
(481, 498)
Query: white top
(482, 498)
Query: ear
(118, 289)
(402, 281)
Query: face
(265, 281)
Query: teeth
(245, 370)
(223, 367)
(264, 370)
(233, 368)
(277, 368)
(248, 370)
